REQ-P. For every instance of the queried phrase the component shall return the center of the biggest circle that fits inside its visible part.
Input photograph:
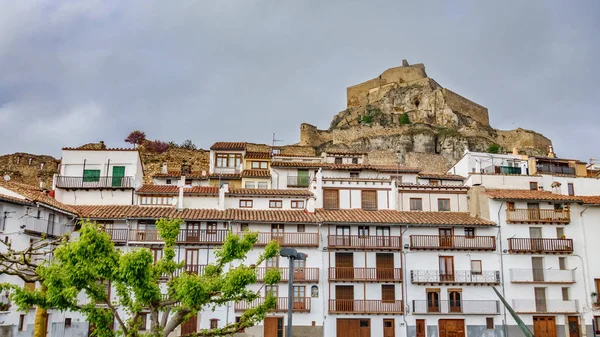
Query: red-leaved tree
(156, 146)
(136, 138)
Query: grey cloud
(81, 71)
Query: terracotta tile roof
(255, 173)
(529, 195)
(125, 211)
(295, 155)
(299, 216)
(345, 152)
(441, 176)
(331, 166)
(432, 187)
(269, 192)
(36, 195)
(257, 155)
(91, 149)
(395, 217)
(172, 189)
(593, 199)
(357, 179)
(11, 199)
(225, 176)
(177, 175)
(229, 146)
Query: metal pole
(290, 295)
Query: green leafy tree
(85, 265)
(493, 148)
(404, 119)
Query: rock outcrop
(404, 112)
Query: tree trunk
(41, 319)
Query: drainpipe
(502, 268)
(404, 291)
(586, 268)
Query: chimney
(551, 153)
(204, 173)
(185, 169)
(515, 151)
(556, 187)
(164, 169)
(181, 185)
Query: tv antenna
(275, 140)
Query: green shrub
(404, 119)
(493, 148)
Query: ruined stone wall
(428, 162)
(523, 139)
(29, 168)
(174, 158)
(466, 107)
(311, 136)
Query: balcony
(539, 216)
(477, 307)
(542, 276)
(309, 275)
(301, 304)
(288, 239)
(202, 236)
(540, 246)
(365, 307)
(342, 274)
(496, 169)
(45, 227)
(555, 169)
(296, 181)
(94, 182)
(186, 236)
(118, 235)
(365, 242)
(465, 277)
(194, 269)
(544, 306)
(455, 242)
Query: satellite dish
(7, 178)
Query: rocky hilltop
(405, 116)
(402, 116)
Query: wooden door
(192, 231)
(420, 328)
(191, 260)
(299, 298)
(118, 173)
(446, 268)
(385, 266)
(272, 326)
(535, 235)
(452, 328)
(433, 301)
(299, 270)
(446, 239)
(537, 265)
(544, 326)
(344, 296)
(455, 301)
(540, 299)
(573, 326)
(388, 328)
(190, 326)
(348, 327)
(344, 266)
(533, 211)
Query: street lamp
(292, 255)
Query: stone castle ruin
(407, 117)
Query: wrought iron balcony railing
(94, 182)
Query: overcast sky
(82, 71)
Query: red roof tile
(172, 189)
(529, 195)
(36, 195)
(177, 175)
(268, 192)
(257, 155)
(295, 216)
(226, 176)
(593, 199)
(256, 173)
(356, 167)
(441, 176)
(229, 146)
(395, 217)
(91, 149)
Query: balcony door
(342, 236)
(192, 231)
(344, 298)
(118, 173)
(299, 270)
(299, 298)
(446, 237)
(540, 299)
(446, 268)
(433, 301)
(385, 266)
(537, 266)
(344, 266)
(277, 233)
(383, 236)
(50, 227)
(191, 260)
(535, 234)
(533, 211)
